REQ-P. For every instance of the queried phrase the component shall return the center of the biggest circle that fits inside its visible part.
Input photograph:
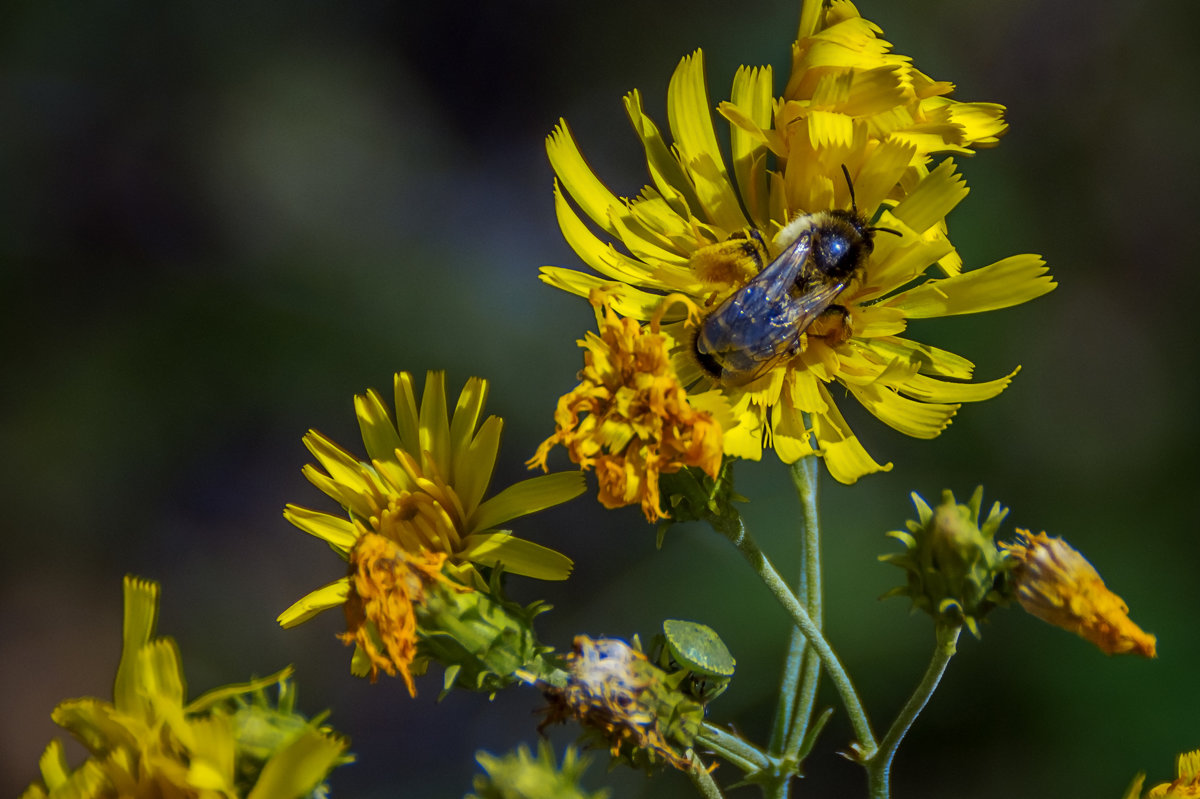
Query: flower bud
(1054, 582)
(955, 570)
(519, 775)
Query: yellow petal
(473, 470)
(1008, 282)
(874, 91)
(932, 198)
(312, 603)
(598, 254)
(690, 114)
(913, 418)
(407, 423)
(751, 98)
(584, 187)
(462, 428)
(665, 169)
(340, 533)
(527, 496)
(516, 555)
(844, 456)
(928, 359)
(829, 129)
(790, 439)
(879, 175)
(141, 614)
(929, 389)
(374, 421)
(298, 768)
(625, 300)
(434, 424)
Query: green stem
(735, 531)
(742, 754)
(798, 687)
(804, 477)
(879, 765)
(703, 780)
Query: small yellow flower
(416, 512)
(849, 103)
(629, 418)
(623, 699)
(1186, 785)
(149, 742)
(1057, 584)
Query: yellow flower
(849, 103)
(416, 511)
(1057, 584)
(1186, 784)
(148, 742)
(637, 421)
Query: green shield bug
(699, 650)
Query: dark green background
(222, 220)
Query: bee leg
(834, 325)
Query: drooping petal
(845, 457)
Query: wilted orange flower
(630, 418)
(1057, 584)
(387, 583)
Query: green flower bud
(481, 638)
(519, 775)
(956, 573)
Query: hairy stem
(879, 765)
(735, 531)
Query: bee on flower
(764, 270)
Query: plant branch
(735, 531)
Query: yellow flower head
(624, 700)
(1187, 783)
(416, 511)
(703, 232)
(1056, 583)
(629, 418)
(150, 742)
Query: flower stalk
(740, 537)
(879, 765)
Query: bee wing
(757, 320)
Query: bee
(760, 324)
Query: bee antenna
(850, 184)
(885, 230)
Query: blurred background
(222, 220)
